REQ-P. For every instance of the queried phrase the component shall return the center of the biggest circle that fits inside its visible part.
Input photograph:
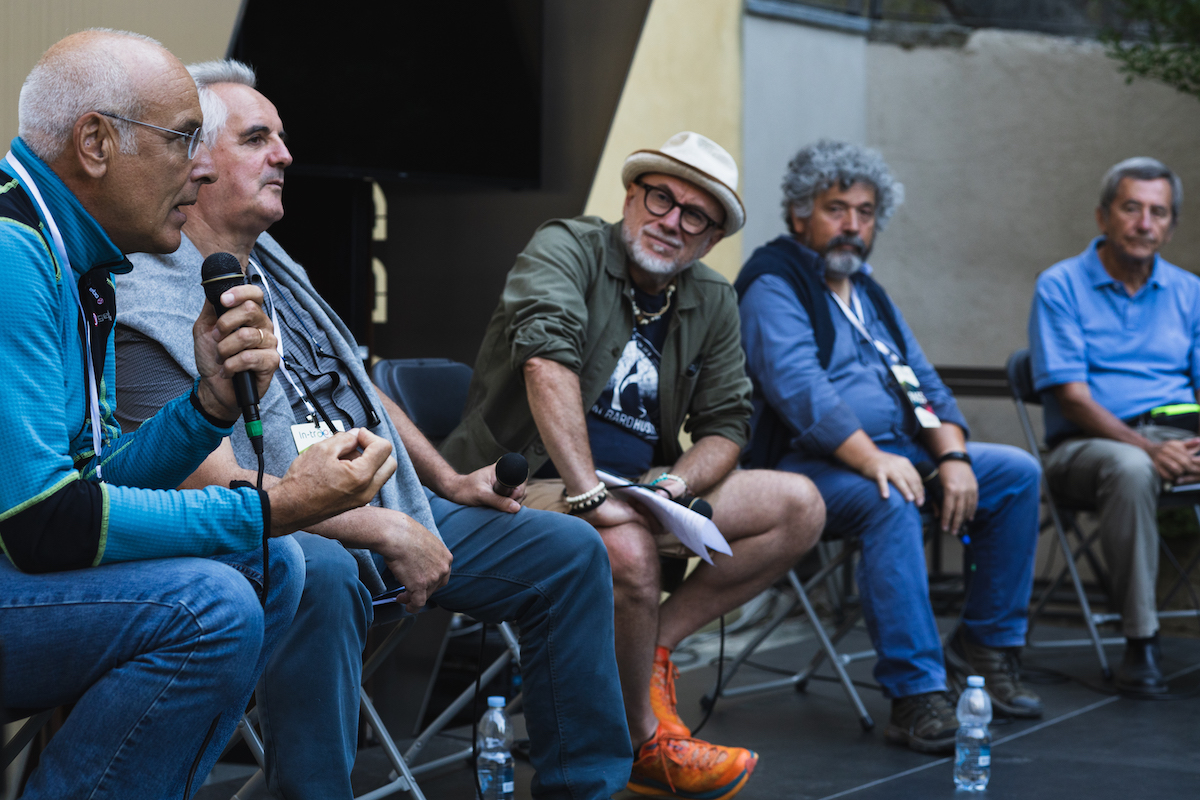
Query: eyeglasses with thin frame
(660, 202)
(192, 139)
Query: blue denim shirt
(823, 407)
(1134, 353)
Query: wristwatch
(954, 455)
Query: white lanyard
(287, 373)
(856, 319)
(905, 377)
(60, 247)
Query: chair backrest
(432, 391)
(1020, 381)
(1020, 377)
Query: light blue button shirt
(1134, 353)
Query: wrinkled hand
(231, 344)
(617, 511)
(476, 489)
(334, 475)
(415, 556)
(1175, 457)
(886, 468)
(960, 495)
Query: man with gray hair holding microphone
(845, 395)
(1113, 338)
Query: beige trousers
(1121, 482)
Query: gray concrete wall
(801, 83)
(1001, 144)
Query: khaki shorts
(547, 495)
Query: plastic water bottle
(495, 765)
(973, 744)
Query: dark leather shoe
(924, 722)
(1001, 671)
(1139, 672)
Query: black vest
(802, 269)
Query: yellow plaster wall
(686, 75)
(194, 30)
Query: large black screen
(418, 90)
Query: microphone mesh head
(219, 265)
(219, 273)
(512, 469)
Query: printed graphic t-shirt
(623, 423)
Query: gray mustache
(838, 241)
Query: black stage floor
(1090, 744)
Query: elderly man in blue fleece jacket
(103, 602)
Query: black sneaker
(1001, 671)
(924, 722)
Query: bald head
(134, 176)
(94, 70)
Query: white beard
(842, 263)
(647, 259)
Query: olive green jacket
(569, 299)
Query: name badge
(306, 434)
(912, 387)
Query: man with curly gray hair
(844, 395)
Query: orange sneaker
(679, 766)
(662, 694)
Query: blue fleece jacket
(54, 512)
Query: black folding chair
(1063, 517)
(831, 563)
(432, 391)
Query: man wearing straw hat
(608, 338)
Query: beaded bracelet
(593, 502)
(666, 476)
(588, 495)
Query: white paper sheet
(697, 532)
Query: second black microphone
(219, 273)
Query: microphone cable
(720, 679)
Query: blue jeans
(150, 652)
(891, 576)
(546, 572)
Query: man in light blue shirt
(1114, 335)
(845, 395)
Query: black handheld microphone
(220, 273)
(697, 504)
(511, 471)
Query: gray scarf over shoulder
(161, 298)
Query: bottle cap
(975, 681)
(497, 701)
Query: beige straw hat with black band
(699, 160)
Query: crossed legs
(769, 518)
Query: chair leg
(864, 719)
(828, 648)
(1084, 606)
(250, 787)
(777, 618)
(14, 746)
(403, 781)
(435, 727)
